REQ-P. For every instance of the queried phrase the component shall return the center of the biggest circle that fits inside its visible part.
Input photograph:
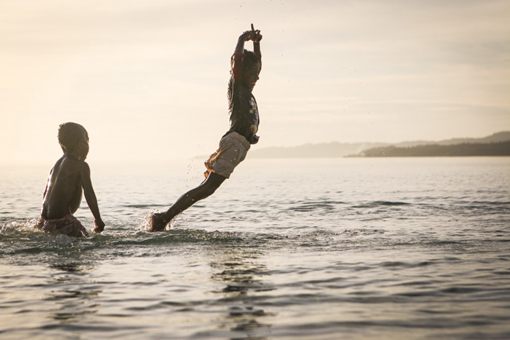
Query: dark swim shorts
(67, 225)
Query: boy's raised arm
(256, 37)
(237, 57)
(245, 36)
(90, 197)
(256, 49)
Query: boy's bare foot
(157, 222)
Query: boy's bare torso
(64, 189)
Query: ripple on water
(388, 258)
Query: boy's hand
(256, 36)
(40, 223)
(251, 35)
(99, 226)
(246, 36)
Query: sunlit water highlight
(323, 249)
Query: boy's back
(63, 194)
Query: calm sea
(285, 249)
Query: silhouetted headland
(497, 144)
(436, 150)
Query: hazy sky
(148, 78)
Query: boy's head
(251, 69)
(74, 140)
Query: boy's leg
(205, 189)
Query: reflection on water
(243, 276)
(71, 292)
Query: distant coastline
(497, 144)
(436, 150)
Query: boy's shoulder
(71, 164)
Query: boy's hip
(235, 138)
(232, 150)
(67, 225)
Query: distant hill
(325, 150)
(436, 150)
(503, 136)
(337, 149)
(497, 144)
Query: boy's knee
(209, 190)
(209, 187)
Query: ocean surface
(414, 248)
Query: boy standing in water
(68, 177)
(234, 145)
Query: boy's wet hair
(70, 134)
